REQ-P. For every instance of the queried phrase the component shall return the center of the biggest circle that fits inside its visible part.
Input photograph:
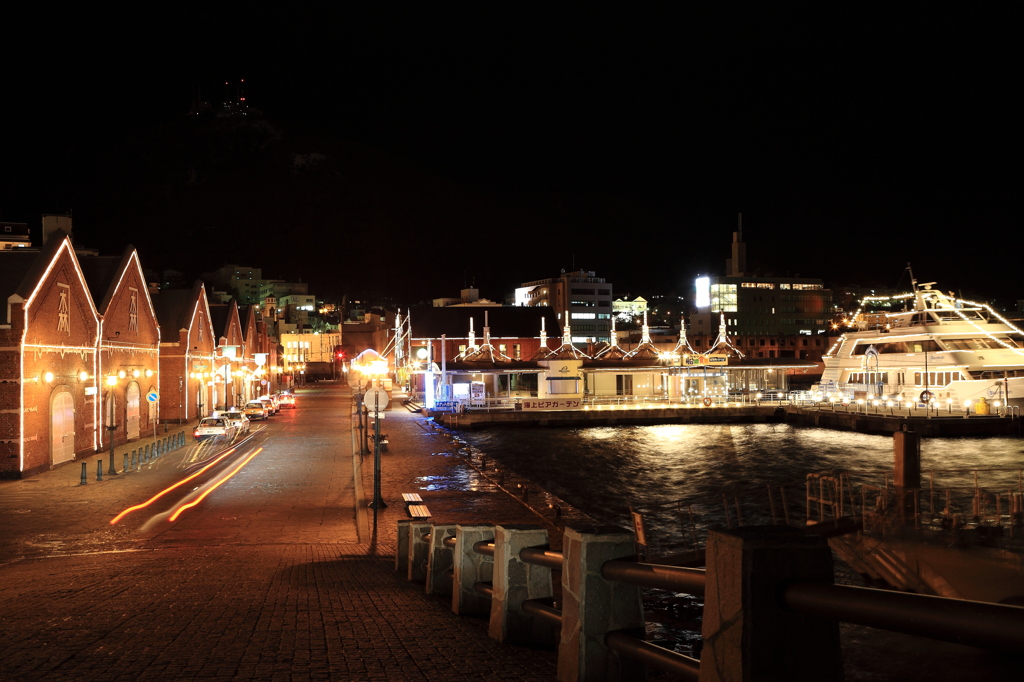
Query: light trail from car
(213, 486)
(169, 489)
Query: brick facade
(48, 356)
(186, 356)
(129, 347)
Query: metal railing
(995, 627)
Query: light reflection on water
(605, 470)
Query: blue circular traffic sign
(152, 396)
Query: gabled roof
(566, 351)
(21, 269)
(101, 274)
(247, 316)
(611, 351)
(506, 322)
(14, 266)
(174, 308)
(220, 318)
(646, 351)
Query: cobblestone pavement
(270, 578)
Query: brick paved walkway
(249, 587)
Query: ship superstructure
(937, 349)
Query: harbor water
(606, 471)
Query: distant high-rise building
(580, 297)
(766, 312)
(14, 236)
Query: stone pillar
(418, 551)
(593, 606)
(748, 634)
(471, 568)
(516, 581)
(402, 548)
(439, 560)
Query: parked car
(238, 418)
(269, 403)
(286, 400)
(255, 409)
(214, 427)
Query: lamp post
(201, 378)
(359, 414)
(111, 426)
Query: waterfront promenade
(278, 575)
(270, 578)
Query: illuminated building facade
(187, 354)
(14, 236)
(229, 362)
(49, 360)
(260, 371)
(129, 346)
(581, 297)
(767, 317)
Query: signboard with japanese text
(551, 404)
(716, 360)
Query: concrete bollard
(592, 606)
(99, 469)
(125, 467)
(471, 568)
(85, 475)
(516, 581)
(439, 559)
(748, 634)
(402, 542)
(418, 551)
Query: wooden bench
(414, 506)
(418, 511)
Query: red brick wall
(60, 338)
(131, 348)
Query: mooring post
(84, 474)
(125, 467)
(514, 582)
(593, 606)
(748, 633)
(471, 568)
(99, 469)
(906, 474)
(439, 559)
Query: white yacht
(927, 346)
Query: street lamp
(200, 377)
(369, 364)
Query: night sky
(407, 154)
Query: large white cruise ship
(936, 348)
